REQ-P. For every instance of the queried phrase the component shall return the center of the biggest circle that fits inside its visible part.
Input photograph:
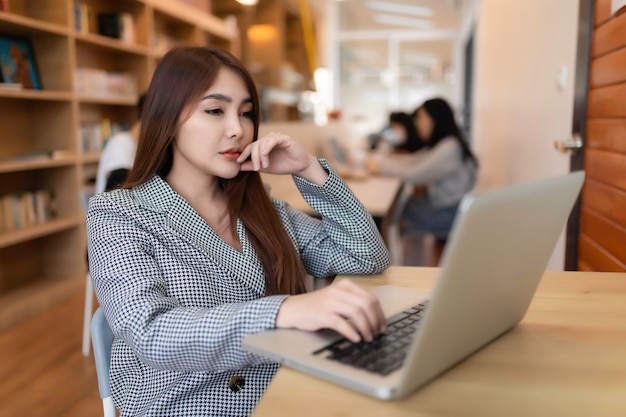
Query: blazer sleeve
(345, 240)
(164, 334)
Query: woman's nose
(234, 128)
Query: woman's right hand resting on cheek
(344, 307)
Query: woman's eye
(214, 111)
(248, 114)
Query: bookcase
(86, 79)
(274, 50)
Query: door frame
(579, 123)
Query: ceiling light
(411, 22)
(263, 33)
(384, 6)
(248, 2)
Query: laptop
(495, 257)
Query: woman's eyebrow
(218, 96)
(227, 99)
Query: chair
(88, 311)
(422, 249)
(416, 249)
(390, 227)
(102, 339)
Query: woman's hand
(276, 153)
(344, 307)
(371, 165)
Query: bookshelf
(273, 48)
(42, 149)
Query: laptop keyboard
(386, 352)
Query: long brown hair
(181, 77)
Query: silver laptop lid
(499, 247)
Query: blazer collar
(156, 195)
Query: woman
(192, 255)
(445, 168)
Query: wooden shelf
(63, 116)
(112, 100)
(48, 95)
(91, 158)
(106, 42)
(23, 26)
(41, 230)
(203, 21)
(16, 166)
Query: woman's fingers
(245, 158)
(357, 318)
(259, 152)
(344, 328)
(274, 153)
(254, 155)
(264, 152)
(344, 307)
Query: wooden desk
(566, 358)
(376, 193)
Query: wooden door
(602, 229)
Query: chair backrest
(390, 227)
(102, 340)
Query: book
(42, 206)
(2, 227)
(18, 211)
(28, 200)
(97, 82)
(22, 211)
(118, 25)
(128, 28)
(85, 16)
(7, 213)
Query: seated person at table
(445, 167)
(118, 155)
(191, 254)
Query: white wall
(518, 107)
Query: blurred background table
(377, 193)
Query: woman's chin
(230, 174)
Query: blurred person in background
(442, 170)
(118, 155)
(399, 136)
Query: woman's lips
(231, 155)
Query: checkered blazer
(179, 299)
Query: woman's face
(424, 124)
(216, 130)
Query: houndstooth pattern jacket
(179, 299)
